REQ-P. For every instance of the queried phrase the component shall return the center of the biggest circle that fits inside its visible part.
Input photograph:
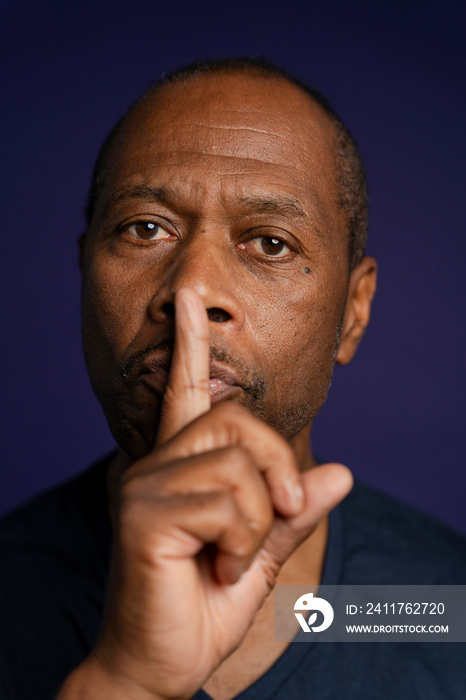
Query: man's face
(225, 184)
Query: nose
(206, 265)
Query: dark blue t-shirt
(54, 557)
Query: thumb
(324, 487)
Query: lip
(223, 381)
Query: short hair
(350, 172)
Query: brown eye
(272, 246)
(269, 246)
(146, 231)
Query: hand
(204, 523)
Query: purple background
(396, 73)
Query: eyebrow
(273, 204)
(163, 195)
(268, 204)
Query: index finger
(186, 395)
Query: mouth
(223, 381)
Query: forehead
(224, 131)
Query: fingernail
(294, 498)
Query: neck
(301, 444)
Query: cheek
(113, 309)
(297, 334)
(299, 319)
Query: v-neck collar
(269, 683)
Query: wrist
(92, 681)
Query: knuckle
(137, 528)
(129, 492)
(244, 548)
(239, 459)
(135, 506)
(132, 505)
(264, 517)
(259, 531)
(225, 507)
(169, 397)
(222, 501)
(270, 566)
(190, 386)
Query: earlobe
(358, 308)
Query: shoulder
(59, 531)
(397, 543)
(53, 558)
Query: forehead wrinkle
(227, 156)
(253, 130)
(226, 127)
(275, 123)
(265, 138)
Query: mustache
(249, 380)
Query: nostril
(169, 309)
(215, 314)
(218, 315)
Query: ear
(81, 241)
(361, 290)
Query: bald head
(347, 176)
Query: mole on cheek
(307, 270)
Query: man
(223, 276)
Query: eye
(267, 245)
(146, 231)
